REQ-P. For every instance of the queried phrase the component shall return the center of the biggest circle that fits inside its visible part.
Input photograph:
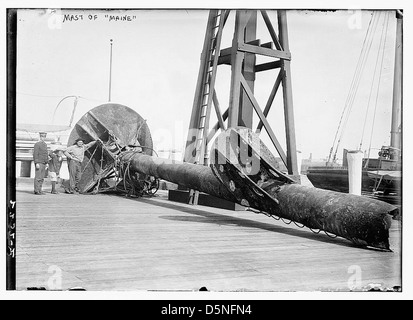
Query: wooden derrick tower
(241, 56)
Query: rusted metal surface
(186, 174)
(242, 172)
(255, 183)
(362, 220)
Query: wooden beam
(225, 56)
(269, 45)
(225, 52)
(271, 30)
(292, 163)
(237, 58)
(271, 98)
(224, 60)
(263, 119)
(217, 126)
(268, 66)
(226, 14)
(193, 124)
(248, 71)
(264, 51)
(218, 110)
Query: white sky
(155, 68)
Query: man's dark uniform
(40, 157)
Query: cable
(354, 90)
(38, 95)
(352, 83)
(92, 99)
(333, 236)
(129, 187)
(90, 158)
(150, 149)
(353, 86)
(374, 77)
(61, 96)
(378, 86)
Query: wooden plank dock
(109, 242)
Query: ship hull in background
(375, 184)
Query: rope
(283, 220)
(351, 86)
(330, 236)
(354, 84)
(374, 76)
(90, 158)
(378, 86)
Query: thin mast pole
(395, 133)
(110, 70)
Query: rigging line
(352, 82)
(363, 56)
(378, 86)
(360, 75)
(354, 90)
(352, 96)
(61, 96)
(38, 95)
(75, 103)
(372, 83)
(92, 99)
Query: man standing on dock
(40, 159)
(75, 155)
(55, 163)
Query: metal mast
(110, 70)
(395, 139)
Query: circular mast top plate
(117, 126)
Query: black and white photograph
(193, 150)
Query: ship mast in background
(381, 177)
(395, 139)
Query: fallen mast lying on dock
(241, 170)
